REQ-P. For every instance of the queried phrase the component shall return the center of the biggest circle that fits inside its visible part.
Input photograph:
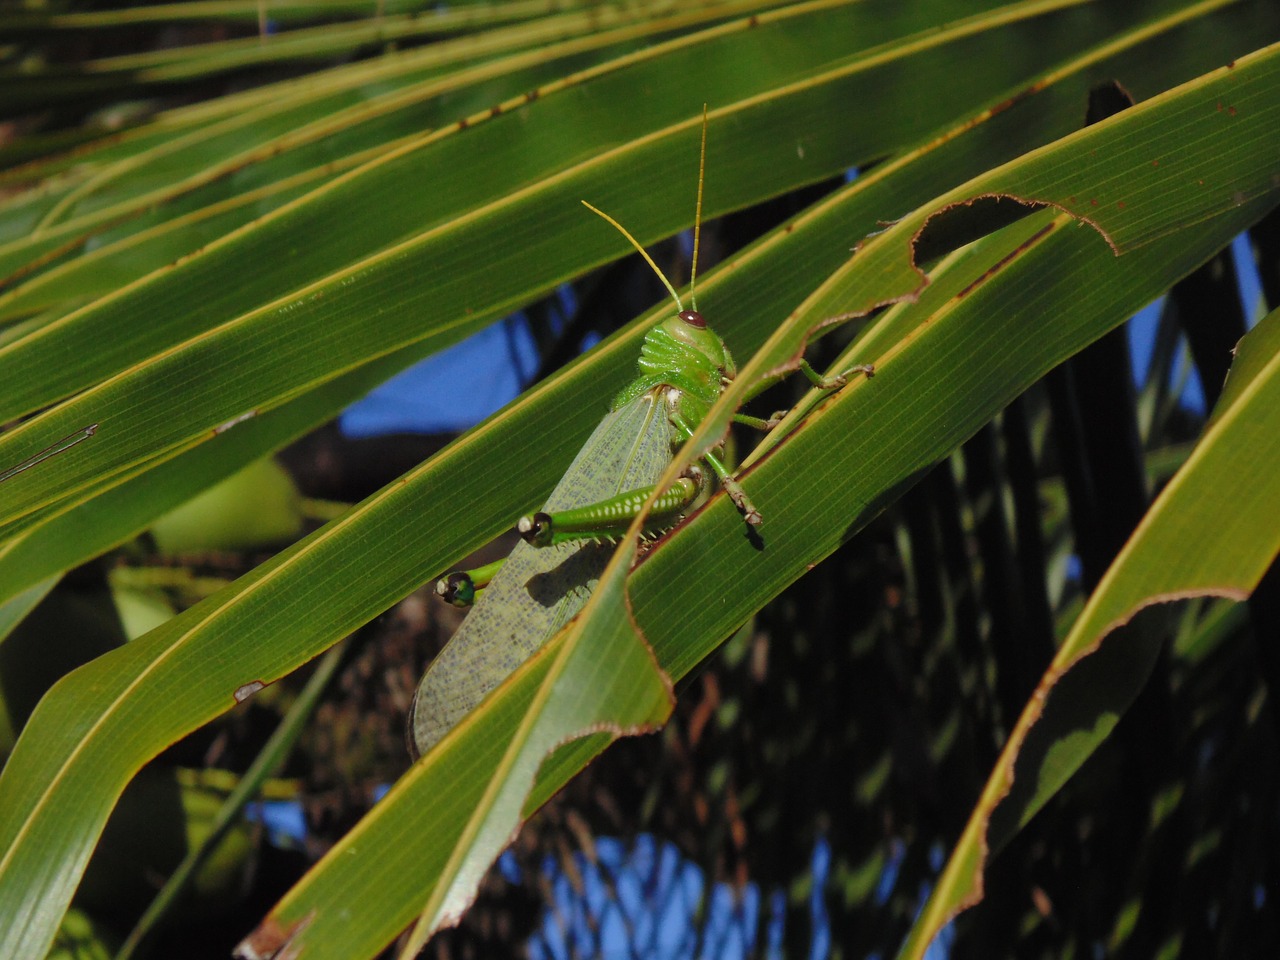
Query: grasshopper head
(681, 352)
(691, 331)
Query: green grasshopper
(522, 602)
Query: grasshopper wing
(539, 589)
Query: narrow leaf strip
(581, 683)
(1131, 177)
(1223, 500)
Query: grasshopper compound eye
(693, 318)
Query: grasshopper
(522, 602)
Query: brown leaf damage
(271, 941)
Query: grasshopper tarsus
(740, 500)
(840, 379)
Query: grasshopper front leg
(822, 383)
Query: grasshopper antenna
(641, 250)
(697, 215)
(697, 231)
